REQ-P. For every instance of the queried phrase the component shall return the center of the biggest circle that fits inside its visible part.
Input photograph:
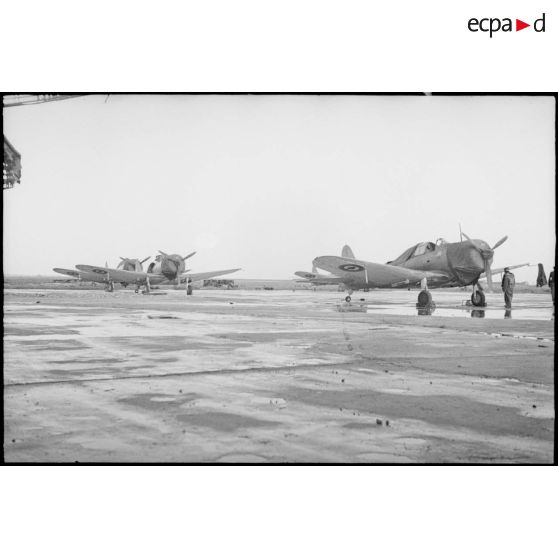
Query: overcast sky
(268, 183)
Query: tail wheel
(478, 298)
(347, 298)
(424, 299)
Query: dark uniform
(551, 283)
(508, 283)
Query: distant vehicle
(426, 264)
(220, 283)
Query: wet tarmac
(275, 376)
(457, 304)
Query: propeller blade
(488, 272)
(479, 248)
(499, 243)
(144, 260)
(188, 256)
(122, 258)
(162, 253)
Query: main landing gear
(478, 298)
(110, 287)
(424, 301)
(348, 297)
(147, 289)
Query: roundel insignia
(351, 267)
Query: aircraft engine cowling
(465, 261)
(172, 266)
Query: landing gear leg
(478, 298)
(147, 287)
(110, 287)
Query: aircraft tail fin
(347, 252)
(541, 277)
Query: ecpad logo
(493, 25)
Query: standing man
(551, 285)
(508, 283)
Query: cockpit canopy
(416, 250)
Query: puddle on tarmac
(518, 313)
(447, 304)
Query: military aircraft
(428, 264)
(128, 264)
(166, 269)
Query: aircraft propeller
(137, 264)
(487, 256)
(133, 259)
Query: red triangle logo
(519, 25)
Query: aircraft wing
(318, 279)
(70, 272)
(207, 274)
(81, 275)
(118, 275)
(501, 269)
(358, 272)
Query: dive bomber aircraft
(428, 264)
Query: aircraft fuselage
(460, 261)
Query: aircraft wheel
(347, 298)
(478, 299)
(424, 299)
(136, 291)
